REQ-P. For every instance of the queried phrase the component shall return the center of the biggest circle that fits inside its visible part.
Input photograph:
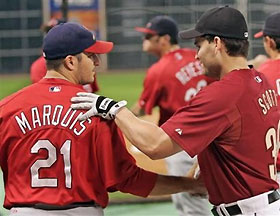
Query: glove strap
(107, 107)
(116, 108)
(104, 104)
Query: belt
(43, 206)
(235, 209)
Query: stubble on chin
(213, 71)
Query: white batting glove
(96, 105)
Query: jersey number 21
(65, 151)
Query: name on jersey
(50, 115)
(189, 71)
(267, 100)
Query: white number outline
(278, 86)
(191, 92)
(65, 150)
(272, 140)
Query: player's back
(180, 78)
(47, 155)
(271, 70)
(245, 150)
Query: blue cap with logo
(71, 39)
(271, 26)
(160, 25)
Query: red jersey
(232, 126)
(172, 81)
(39, 69)
(48, 156)
(271, 70)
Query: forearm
(146, 136)
(171, 184)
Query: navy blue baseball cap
(71, 39)
(271, 26)
(219, 21)
(160, 25)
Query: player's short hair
(235, 47)
(56, 63)
(173, 40)
(276, 40)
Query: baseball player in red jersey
(232, 124)
(169, 83)
(38, 68)
(271, 67)
(54, 164)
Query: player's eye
(148, 36)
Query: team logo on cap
(149, 24)
(246, 34)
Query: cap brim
(145, 30)
(258, 35)
(100, 47)
(189, 34)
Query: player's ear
(218, 43)
(272, 43)
(167, 37)
(69, 62)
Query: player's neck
(169, 49)
(274, 55)
(58, 75)
(233, 63)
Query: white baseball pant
(259, 205)
(81, 211)
(186, 204)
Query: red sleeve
(118, 167)
(38, 70)
(151, 91)
(196, 125)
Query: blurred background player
(38, 68)
(271, 67)
(169, 83)
(52, 163)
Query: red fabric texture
(171, 82)
(99, 161)
(228, 127)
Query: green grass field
(118, 86)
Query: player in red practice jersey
(232, 125)
(169, 83)
(53, 163)
(38, 68)
(271, 67)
